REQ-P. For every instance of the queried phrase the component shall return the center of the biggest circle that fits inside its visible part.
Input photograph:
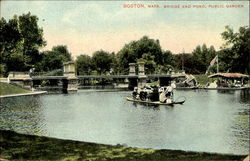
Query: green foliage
(102, 61)
(135, 50)
(185, 60)
(235, 55)
(10, 34)
(54, 59)
(20, 40)
(225, 60)
(50, 61)
(202, 57)
(84, 65)
(164, 69)
(156, 60)
(2, 70)
(168, 58)
(168, 62)
(197, 62)
(202, 79)
(115, 65)
(150, 64)
(32, 38)
(62, 51)
(10, 39)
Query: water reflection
(208, 121)
(147, 106)
(244, 96)
(241, 95)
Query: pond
(209, 121)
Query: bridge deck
(104, 77)
(128, 76)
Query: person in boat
(237, 83)
(135, 93)
(166, 94)
(145, 94)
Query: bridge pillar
(132, 81)
(69, 69)
(71, 84)
(132, 68)
(142, 78)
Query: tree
(225, 60)
(198, 60)
(10, 35)
(32, 39)
(201, 58)
(115, 68)
(133, 51)
(167, 58)
(211, 54)
(10, 52)
(20, 40)
(168, 62)
(54, 59)
(102, 61)
(236, 49)
(185, 60)
(84, 65)
(50, 61)
(63, 52)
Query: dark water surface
(209, 121)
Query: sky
(88, 26)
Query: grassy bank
(202, 79)
(14, 146)
(7, 89)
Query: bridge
(125, 76)
(105, 76)
(70, 82)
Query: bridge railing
(57, 72)
(106, 76)
(18, 75)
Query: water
(209, 121)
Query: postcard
(124, 80)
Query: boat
(228, 81)
(154, 102)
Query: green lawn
(6, 89)
(14, 146)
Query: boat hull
(153, 103)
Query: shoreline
(24, 94)
(16, 146)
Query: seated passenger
(165, 94)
